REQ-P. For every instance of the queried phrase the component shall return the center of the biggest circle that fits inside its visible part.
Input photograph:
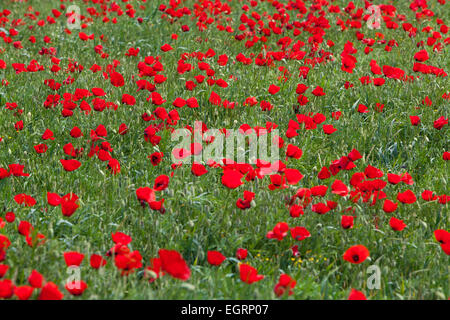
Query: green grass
(201, 214)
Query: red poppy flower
(248, 274)
(245, 203)
(41, 148)
(6, 289)
(123, 129)
(114, 166)
(156, 98)
(285, 284)
(443, 237)
(215, 99)
(50, 292)
(300, 233)
(23, 198)
(76, 132)
(302, 100)
(406, 197)
(99, 92)
(331, 204)
(4, 244)
(69, 204)
(70, 165)
(440, 123)
(320, 208)
(121, 238)
(25, 228)
(73, 258)
(18, 125)
(156, 158)
(53, 199)
(173, 263)
(96, 261)
(347, 222)
(23, 292)
(232, 179)
(101, 131)
(389, 206)
(273, 89)
(153, 271)
(362, 108)
(128, 99)
(356, 295)
(293, 176)
(339, 188)
(293, 151)
(192, 102)
(318, 91)
(396, 224)
(215, 258)
(198, 169)
(295, 211)
(4, 173)
(301, 88)
(394, 178)
(166, 47)
(428, 195)
(117, 79)
(190, 85)
(372, 172)
(241, 254)
(324, 173)
(319, 191)
(427, 101)
(279, 231)
(76, 288)
(378, 106)
(336, 115)
(422, 56)
(145, 194)
(128, 261)
(17, 170)
(328, 129)
(161, 183)
(158, 206)
(179, 102)
(35, 279)
(3, 269)
(10, 216)
(356, 254)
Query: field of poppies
(99, 200)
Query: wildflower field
(223, 149)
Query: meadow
(95, 204)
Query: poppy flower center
(355, 258)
